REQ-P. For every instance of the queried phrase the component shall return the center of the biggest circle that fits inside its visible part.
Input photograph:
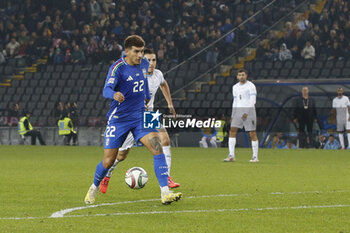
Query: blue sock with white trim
(100, 173)
(161, 169)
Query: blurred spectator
(289, 145)
(12, 48)
(332, 143)
(308, 51)
(303, 23)
(209, 134)
(59, 111)
(14, 110)
(74, 115)
(321, 142)
(284, 53)
(58, 58)
(25, 129)
(277, 141)
(78, 55)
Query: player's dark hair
(241, 71)
(149, 51)
(134, 40)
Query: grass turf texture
(37, 181)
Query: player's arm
(349, 109)
(147, 93)
(334, 107)
(164, 87)
(26, 124)
(110, 84)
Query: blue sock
(161, 169)
(100, 173)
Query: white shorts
(129, 141)
(249, 124)
(343, 125)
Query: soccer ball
(136, 177)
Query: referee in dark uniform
(305, 114)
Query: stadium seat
(288, 64)
(200, 96)
(49, 68)
(329, 64)
(325, 72)
(277, 65)
(315, 73)
(205, 88)
(221, 96)
(339, 64)
(294, 73)
(318, 64)
(74, 75)
(220, 80)
(210, 97)
(59, 68)
(335, 73)
(216, 88)
(190, 96)
(68, 68)
(346, 73)
(309, 64)
(284, 73)
(195, 104)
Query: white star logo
(156, 115)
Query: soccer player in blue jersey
(127, 86)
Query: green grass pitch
(288, 191)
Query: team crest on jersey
(144, 73)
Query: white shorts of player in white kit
(129, 141)
(343, 125)
(249, 123)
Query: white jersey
(154, 81)
(341, 105)
(244, 95)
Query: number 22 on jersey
(138, 86)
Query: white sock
(204, 142)
(110, 171)
(348, 134)
(255, 147)
(167, 153)
(164, 190)
(213, 143)
(341, 139)
(231, 146)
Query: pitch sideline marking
(61, 213)
(192, 211)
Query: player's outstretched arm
(166, 92)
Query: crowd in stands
(80, 31)
(327, 33)
(281, 141)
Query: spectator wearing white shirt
(308, 51)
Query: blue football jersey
(132, 82)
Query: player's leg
(348, 136)
(231, 144)
(212, 141)
(100, 172)
(301, 135)
(255, 146)
(75, 137)
(122, 154)
(165, 141)
(340, 130)
(113, 140)
(153, 143)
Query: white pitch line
(192, 211)
(212, 210)
(62, 213)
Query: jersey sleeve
(234, 94)
(252, 95)
(161, 76)
(147, 93)
(333, 104)
(110, 83)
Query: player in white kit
(155, 80)
(243, 115)
(341, 104)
